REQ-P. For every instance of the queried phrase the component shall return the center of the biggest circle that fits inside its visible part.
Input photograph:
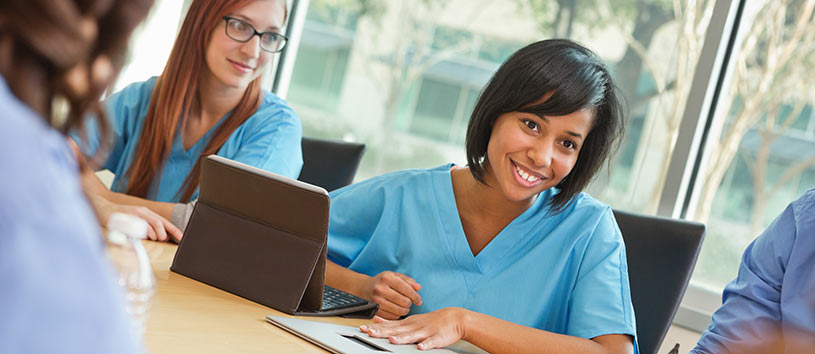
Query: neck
(487, 201)
(214, 99)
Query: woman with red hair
(207, 101)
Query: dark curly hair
(69, 49)
(577, 79)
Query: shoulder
(44, 188)
(273, 115)
(42, 153)
(137, 93)
(586, 204)
(590, 212)
(19, 122)
(400, 182)
(790, 234)
(273, 109)
(803, 211)
(588, 224)
(129, 105)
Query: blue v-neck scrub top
(269, 139)
(563, 273)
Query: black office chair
(330, 164)
(661, 255)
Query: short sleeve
(356, 213)
(601, 300)
(125, 111)
(272, 140)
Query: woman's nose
(252, 47)
(541, 154)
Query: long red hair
(176, 91)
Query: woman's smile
(240, 67)
(525, 177)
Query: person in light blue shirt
(57, 289)
(207, 101)
(268, 139)
(770, 306)
(506, 252)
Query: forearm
(163, 209)
(498, 336)
(93, 186)
(345, 279)
(101, 207)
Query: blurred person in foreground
(58, 293)
(770, 306)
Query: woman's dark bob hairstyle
(576, 79)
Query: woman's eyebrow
(252, 22)
(574, 134)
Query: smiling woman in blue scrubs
(506, 252)
(207, 101)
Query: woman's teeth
(526, 176)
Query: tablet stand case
(260, 236)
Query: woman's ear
(101, 71)
(75, 80)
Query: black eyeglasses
(242, 31)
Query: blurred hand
(90, 183)
(431, 330)
(394, 292)
(160, 228)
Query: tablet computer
(263, 237)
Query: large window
(323, 55)
(152, 42)
(403, 76)
(761, 153)
(437, 106)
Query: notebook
(338, 339)
(263, 237)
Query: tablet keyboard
(337, 299)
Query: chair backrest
(661, 255)
(330, 164)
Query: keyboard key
(335, 299)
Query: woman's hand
(160, 228)
(101, 197)
(431, 330)
(394, 292)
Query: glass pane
(412, 71)
(434, 115)
(763, 153)
(151, 43)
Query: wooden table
(191, 317)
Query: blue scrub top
(770, 306)
(269, 139)
(563, 273)
(57, 291)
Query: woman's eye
(569, 144)
(268, 38)
(531, 124)
(240, 26)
